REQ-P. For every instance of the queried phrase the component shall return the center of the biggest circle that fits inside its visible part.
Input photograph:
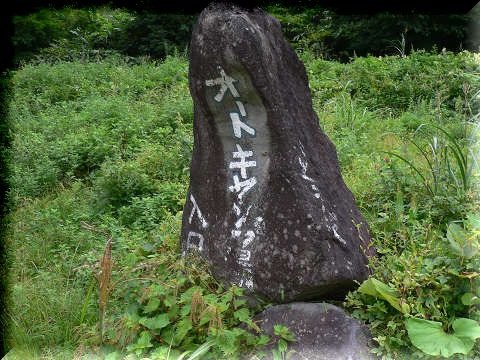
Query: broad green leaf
(144, 341)
(380, 290)
(211, 299)
(467, 328)
(185, 310)
(227, 297)
(282, 345)
(169, 301)
(239, 331)
(222, 307)
(239, 302)
(186, 297)
(456, 236)
(113, 356)
(283, 332)
(164, 352)
(405, 308)
(263, 340)
(173, 311)
(237, 291)
(152, 305)
(470, 299)
(242, 315)
(158, 322)
(473, 222)
(227, 341)
(460, 242)
(429, 336)
(183, 327)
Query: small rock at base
(322, 332)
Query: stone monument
(267, 206)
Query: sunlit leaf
(430, 337)
(470, 299)
(473, 222)
(460, 242)
(182, 329)
(158, 322)
(152, 305)
(380, 290)
(469, 275)
(283, 332)
(467, 328)
(242, 314)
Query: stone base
(322, 332)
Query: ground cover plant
(100, 165)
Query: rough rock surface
(322, 332)
(267, 206)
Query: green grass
(102, 149)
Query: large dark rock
(322, 332)
(267, 206)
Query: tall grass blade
(87, 301)
(202, 349)
(409, 163)
(461, 168)
(424, 154)
(105, 277)
(450, 170)
(462, 158)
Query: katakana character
(225, 82)
(199, 213)
(238, 125)
(242, 164)
(242, 186)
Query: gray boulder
(322, 332)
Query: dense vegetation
(72, 33)
(100, 166)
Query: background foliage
(340, 36)
(94, 31)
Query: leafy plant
(457, 329)
(465, 241)
(285, 336)
(429, 336)
(441, 170)
(380, 290)
(175, 307)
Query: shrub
(175, 306)
(119, 183)
(430, 277)
(342, 37)
(82, 115)
(154, 35)
(389, 83)
(69, 34)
